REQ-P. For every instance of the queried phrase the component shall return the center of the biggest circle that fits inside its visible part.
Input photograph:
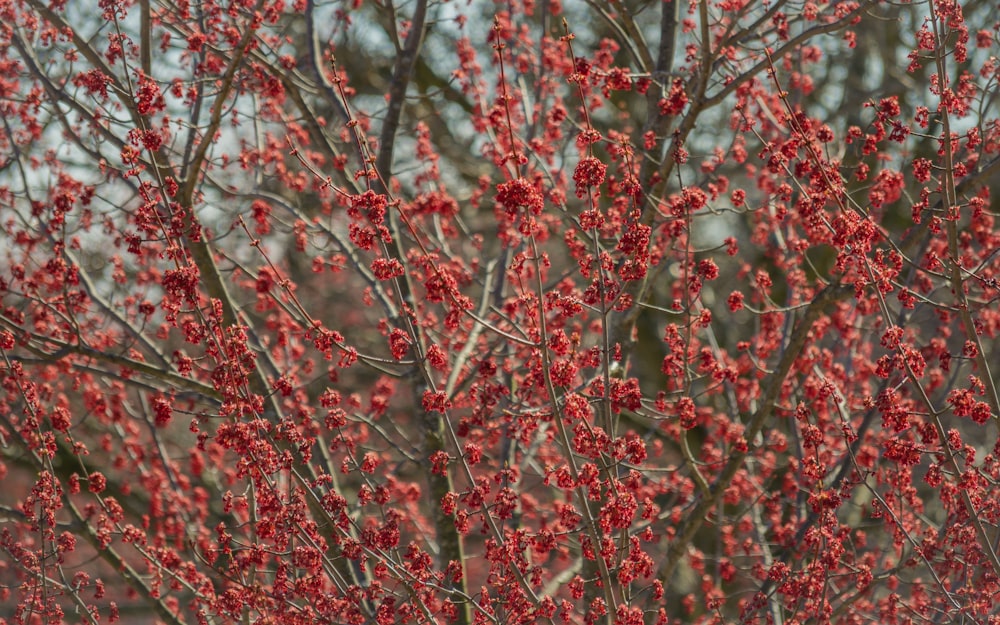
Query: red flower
(517, 195)
(589, 173)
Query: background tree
(606, 312)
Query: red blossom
(399, 343)
(676, 99)
(96, 482)
(589, 173)
(519, 194)
(149, 100)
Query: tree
(620, 312)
